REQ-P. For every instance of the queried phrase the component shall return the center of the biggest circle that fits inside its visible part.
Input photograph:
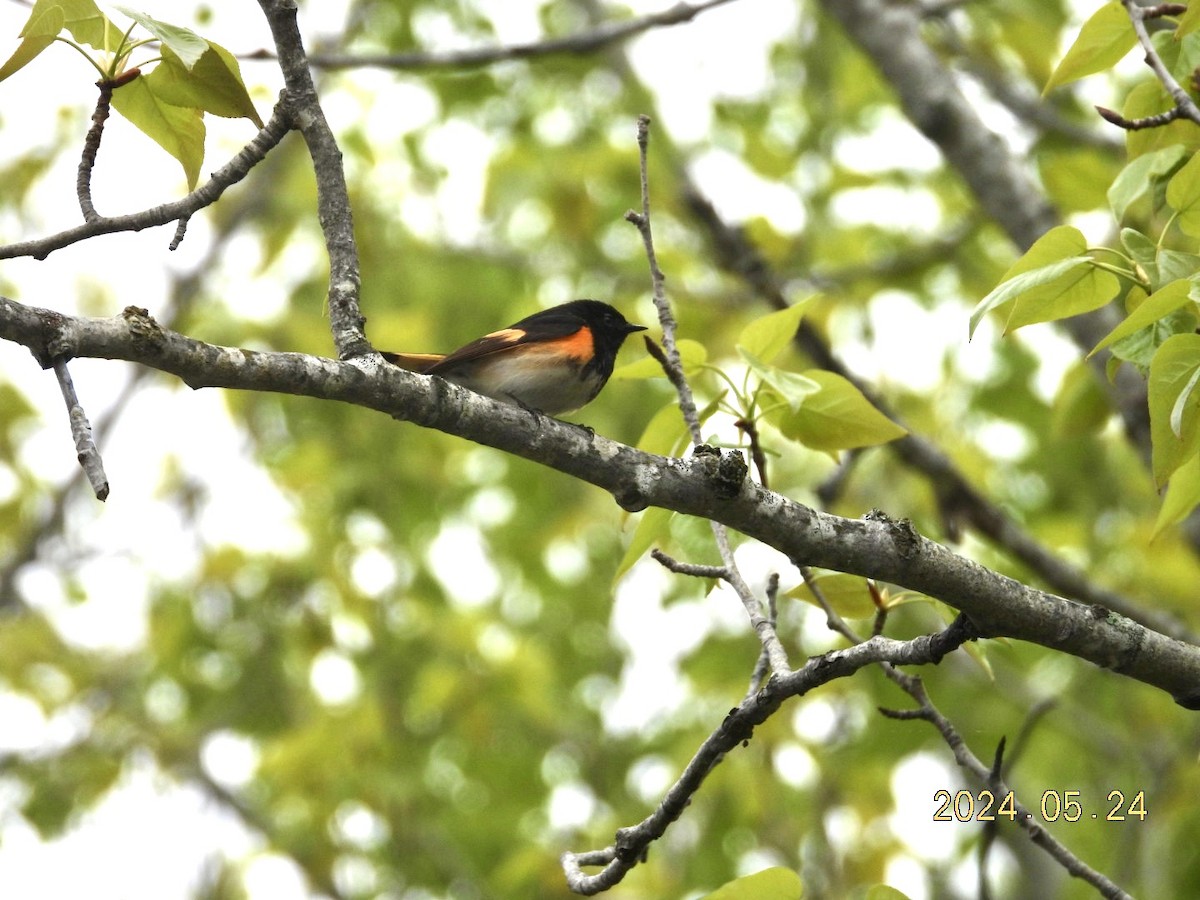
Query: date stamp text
(1056, 806)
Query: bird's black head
(609, 330)
(607, 324)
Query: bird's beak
(630, 328)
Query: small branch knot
(725, 471)
(141, 324)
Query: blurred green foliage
(464, 601)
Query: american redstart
(554, 361)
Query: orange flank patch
(579, 346)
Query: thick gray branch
(890, 34)
(877, 548)
(998, 177)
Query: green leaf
(836, 417)
(791, 387)
(1059, 242)
(847, 594)
(1139, 348)
(1137, 179)
(214, 84)
(87, 24)
(654, 523)
(1180, 408)
(1182, 496)
(183, 42)
(1189, 21)
(1158, 305)
(1183, 195)
(1009, 292)
(1173, 264)
(692, 354)
(1058, 245)
(1174, 406)
(39, 33)
(776, 883)
(1079, 290)
(766, 337)
(178, 130)
(1103, 41)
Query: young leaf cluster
(814, 408)
(1154, 269)
(189, 76)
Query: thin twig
(833, 620)
(693, 569)
(748, 428)
(666, 318)
(91, 146)
(673, 366)
(1156, 121)
(205, 195)
(81, 432)
(631, 844)
(881, 609)
(1138, 15)
(762, 668)
(577, 44)
(991, 827)
(915, 688)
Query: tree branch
(1185, 106)
(205, 195)
(737, 728)
(959, 499)
(929, 96)
(575, 44)
(909, 64)
(991, 776)
(889, 33)
(703, 485)
(81, 432)
(91, 146)
(333, 199)
(763, 625)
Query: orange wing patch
(506, 335)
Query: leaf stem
(1117, 270)
(84, 54)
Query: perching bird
(554, 361)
